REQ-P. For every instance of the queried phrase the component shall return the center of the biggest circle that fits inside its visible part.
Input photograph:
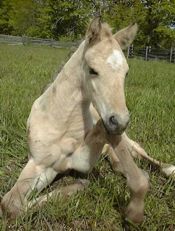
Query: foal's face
(105, 75)
(106, 68)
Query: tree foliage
(68, 18)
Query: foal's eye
(92, 71)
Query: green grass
(24, 72)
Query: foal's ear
(94, 31)
(126, 36)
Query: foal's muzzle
(116, 124)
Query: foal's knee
(139, 186)
(142, 188)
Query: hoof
(9, 210)
(168, 170)
(136, 215)
(84, 182)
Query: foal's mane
(54, 76)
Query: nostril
(118, 122)
(113, 120)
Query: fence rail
(18, 40)
(147, 53)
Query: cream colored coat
(60, 128)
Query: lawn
(150, 90)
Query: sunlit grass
(24, 72)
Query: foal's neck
(69, 81)
(70, 103)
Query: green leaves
(68, 18)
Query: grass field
(150, 91)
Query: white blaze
(115, 59)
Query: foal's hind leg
(137, 151)
(32, 177)
(62, 192)
(136, 180)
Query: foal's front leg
(88, 153)
(83, 160)
(138, 183)
(32, 177)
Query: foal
(60, 128)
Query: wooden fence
(147, 53)
(24, 40)
(150, 53)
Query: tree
(68, 18)
(154, 18)
(159, 17)
(5, 9)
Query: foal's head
(105, 70)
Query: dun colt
(63, 132)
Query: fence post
(130, 51)
(146, 53)
(23, 39)
(171, 54)
(149, 50)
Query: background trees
(68, 18)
